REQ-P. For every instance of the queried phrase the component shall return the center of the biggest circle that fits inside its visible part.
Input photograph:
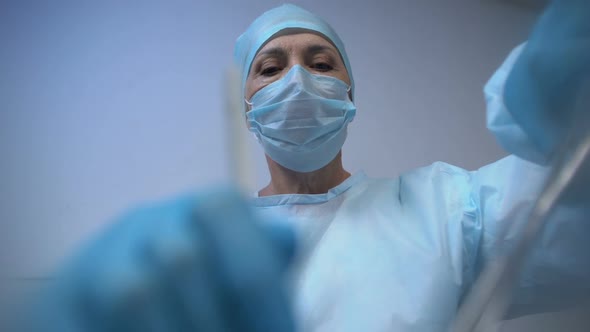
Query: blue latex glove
(198, 263)
(547, 79)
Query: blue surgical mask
(301, 119)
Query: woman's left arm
(534, 101)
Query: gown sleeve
(556, 274)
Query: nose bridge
(295, 59)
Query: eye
(322, 66)
(270, 71)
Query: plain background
(107, 104)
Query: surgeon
(320, 249)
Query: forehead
(296, 42)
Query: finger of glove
(283, 239)
(564, 18)
(180, 259)
(249, 268)
(117, 288)
(94, 282)
(124, 294)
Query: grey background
(106, 104)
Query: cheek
(254, 85)
(249, 91)
(342, 73)
(344, 77)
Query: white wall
(104, 104)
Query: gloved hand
(547, 80)
(198, 263)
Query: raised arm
(535, 100)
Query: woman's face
(278, 56)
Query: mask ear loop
(348, 92)
(248, 107)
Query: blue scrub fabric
(399, 254)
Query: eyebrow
(310, 50)
(275, 51)
(318, 48)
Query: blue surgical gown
(399, 254)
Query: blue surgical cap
(267, 25)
